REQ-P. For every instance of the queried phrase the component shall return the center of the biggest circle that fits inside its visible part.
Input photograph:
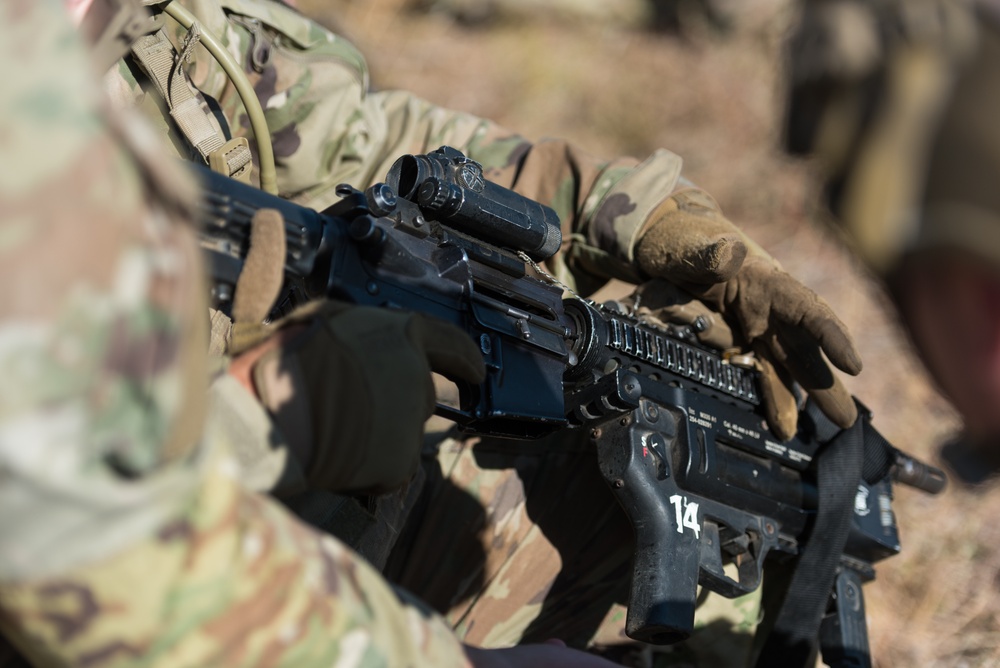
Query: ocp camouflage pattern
(119, 490)
(126, 537)
(328, 128)
(524, 542)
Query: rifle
(678, 428)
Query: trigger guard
(712, 575)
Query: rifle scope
(451, 189)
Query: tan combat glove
(662, 303)
(348, 386)
(690, 243)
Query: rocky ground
(592, 72)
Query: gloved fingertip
(780, 406)
(450, 351)
(835, 340)
(466, 359)
(722, 259)
(784, 429)
(837, 404)
(856, 367)
(847, 417)
(856, 364)
(473, 371)
(846, 358)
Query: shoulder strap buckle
(233, 159)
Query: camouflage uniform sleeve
(232, 580)
(328, 128)
(124, 536)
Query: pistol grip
(677, 533)
(667, 552)
(664, 584)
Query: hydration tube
(268, 174)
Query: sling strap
(795, 605)
(165, 68)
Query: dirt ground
(713, 96)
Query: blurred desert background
(708, 87)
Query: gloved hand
(350, 388)
(663, 303)
(690, 243)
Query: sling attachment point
(233, 159)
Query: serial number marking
(797, 456)
(701, 418)
(776, 448)
(739, 431)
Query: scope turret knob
(381, 199)
(433, 194)
(438, 196)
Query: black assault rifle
(678, 429)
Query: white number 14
(687, 514)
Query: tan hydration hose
(268, 174)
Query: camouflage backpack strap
(117, 27)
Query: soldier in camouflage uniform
(898, 100)
(519, 573)
(233, 565)
(949, 273)
(127, 537)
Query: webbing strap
(165, 68)
(793, 637)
